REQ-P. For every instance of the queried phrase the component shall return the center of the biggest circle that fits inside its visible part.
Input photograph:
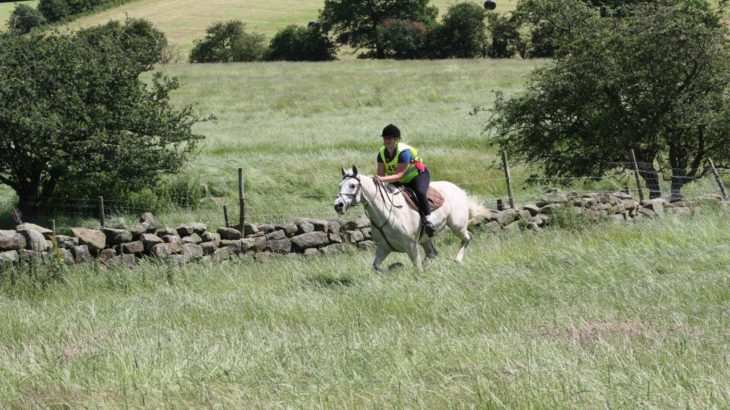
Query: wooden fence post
(509, 179)
(101, 211)
(241, 201)
(636, 175)
(225, 216)
(718, 179)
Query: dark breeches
(419, 185)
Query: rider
(399, 163)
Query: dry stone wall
(118, 244)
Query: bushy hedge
(24, 18)
(138, 37)
(296, 43)
(228, 42)
(55, 10)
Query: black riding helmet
(391, 130)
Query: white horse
(398, 228)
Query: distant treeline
(56, 10)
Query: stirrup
(429, 228)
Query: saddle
(434, 197)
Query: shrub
(506, 40)
(228, 42)
(23, 19)
(462, 32)
(295, 43)
(402, 39)
(54, 10)
(138, 37)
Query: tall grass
(616, 315)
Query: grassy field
(186, 20)
(614, 316)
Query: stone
(290, 229)
(334, 237)
(235, 246)
(313, 239)
(249, 229)
(138, 230)
(115, 223)
(81, 253)
(191, 228)
(127, 260)
(222, 254)
(266, 228)
(107, 254)
(194, 238)
(553, 196)
(173, 239)
(166, 232)
(36, 241)
(209, 248)
(212, 237)
(333, 227)
(116, 236)
(226, 233)
(275, 235)
(160, 250)
(9, 257)
(134, 248)
(149, 220)
(93, 238)
(353, 236)
(532, 209)
(11, 240)
(507, 216)
(66, 242)
(333, 248)
(366, 245)
(67, 256)
(192, 250)
(305, 227)
(279, 246)
(47, 233)
(149, 240)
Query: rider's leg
(420, 186)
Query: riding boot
(429, 226)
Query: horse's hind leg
(380, 254)
(463, 233)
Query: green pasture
(292, 126)
(184, 21)
(7, 8)
(613, 316)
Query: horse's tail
(477, 210)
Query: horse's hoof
(394, 266)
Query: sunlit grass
(616, 315)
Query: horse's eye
(352, 186)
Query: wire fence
(260, 207)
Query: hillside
(186, 20)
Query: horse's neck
(377, 206)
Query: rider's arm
(381, 169)
(400, 170)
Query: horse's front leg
(415, 255)
(380, 254)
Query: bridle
(380, 188)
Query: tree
(138, 37)
(294, 43)
(462, 33)
(356, 23)
(226, 42)
(75, 117)
(654, 80)
(403, 39)
(24, 18)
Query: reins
(380, 189)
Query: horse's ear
(343, 171)
(354, 170)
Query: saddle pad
(434, 198)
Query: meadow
(607, 316)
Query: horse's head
(350, 190)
